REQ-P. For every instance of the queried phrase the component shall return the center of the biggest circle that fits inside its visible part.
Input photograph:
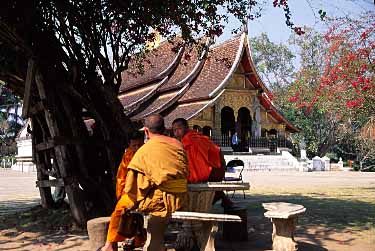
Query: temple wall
(237, 95)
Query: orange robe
(123, 200)
(156, 180)
(203, 155)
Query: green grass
(336, 208)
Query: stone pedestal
(97, 230)
(283, 216)
(283, 235)
(197, 234)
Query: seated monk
(156, 181)
(135, 142)
(206, 161)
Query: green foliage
(274, 62)
(10, 120)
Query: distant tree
(10, 115)
(274, 62)
(337, 80)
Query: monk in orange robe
(206, 161)
(135, 142)
(156, 183)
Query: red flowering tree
(336, 83)
(346, 84)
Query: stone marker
(97, 229)
(283, 216)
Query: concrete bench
(206, 224)
(283, 216)
(199, 226)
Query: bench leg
(185, 238)
(155, 233)
(283, 235)
(206, 241)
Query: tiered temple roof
(181, 83)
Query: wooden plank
(218, 186)
(50, 183)
(59, 140)
(45, 145)
(29, 79)
(181, 215)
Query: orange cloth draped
(123, 200)
(156, 180)
(203, 155)
(122, 171)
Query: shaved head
(154, 123)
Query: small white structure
(24, 151)
(326, 163)
(341, 163)
(317, 164)
(303, 154)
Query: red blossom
(366, 88)
(293, 99)
(301, 105)
(363, 68)
(364, 35)
(355, 84)
(354, 103)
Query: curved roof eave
(136, 104)
(163, 73)
(207, 105)
(236, 62)
(187, 81)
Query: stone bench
(97, 228)
(283, 216)
(199, 226)
(206, 224)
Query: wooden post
(45, 192)
(76, 202)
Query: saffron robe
(203, 156)
(123, 201)
(156, 180)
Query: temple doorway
(228, 125)
(207, 130)
(244, 128)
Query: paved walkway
(17, 191)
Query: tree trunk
(84, 162)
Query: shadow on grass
(337, 220)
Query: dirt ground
(340, 215)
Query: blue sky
(272, 20)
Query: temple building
(217, 90)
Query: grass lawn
(336, 218)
